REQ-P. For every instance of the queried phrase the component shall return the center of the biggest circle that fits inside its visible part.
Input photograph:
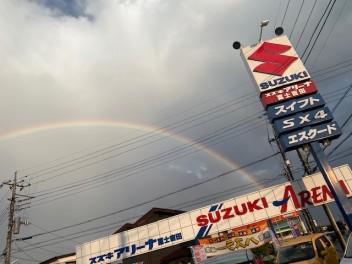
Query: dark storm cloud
(73, 8)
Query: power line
(277, 14)
(81, 184)
(180, 205)
(207, 139)
(304, 28)
(340, 100)
(315, 29)
(299, 12)
(332, 66)
(83, 232)
(321, 28)
(162, 196)
(120, 143)
(95, 186)
(200, 141)
(160, 130)
(146, 136)
(283, 19)
(339, 145)
(316, 59)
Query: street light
(262, 24)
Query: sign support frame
(331, 180)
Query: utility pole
(306, 214)
(13, 186)
(10, 225)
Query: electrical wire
(315, 41)
(147, 136)
(305, 26)
(327, 38)
(277, 14)
(340, 100)
(180, 205)
(158, 157)
(162, 196)
(329, 67)
(123, 221)
(66, 192)
(204, 140)
(283, 19)
(299, 12)
(316, 28)
(95, 186)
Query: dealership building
(171, 236)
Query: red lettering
(227, 213)
(316, 195)
(344, 187)
(289, 191)
(253, 205)
(238, 212)
(265, 203)
(202, 220)
(305, 196)
(215, 219)
(326, 192)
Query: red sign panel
(274, 62)
(287, 93)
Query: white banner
(199, 223)
(247, 237)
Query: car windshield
(296, 253)
(349, 248)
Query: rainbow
(119, 124)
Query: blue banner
(295, 106)
(309, 134)
(303, 119)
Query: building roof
(151, 216)
(52, 260)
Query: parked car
(347, 255)
(314, 248)
(244, 256)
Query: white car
(347, 255)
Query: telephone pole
(13, 186)
(305, 212)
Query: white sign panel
(238, 211)
(274, 63)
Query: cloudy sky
(110, 108)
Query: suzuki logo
(274, 62)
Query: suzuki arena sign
(200, 223)
(274, 64)
(295, 109)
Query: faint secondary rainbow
(119, 124)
